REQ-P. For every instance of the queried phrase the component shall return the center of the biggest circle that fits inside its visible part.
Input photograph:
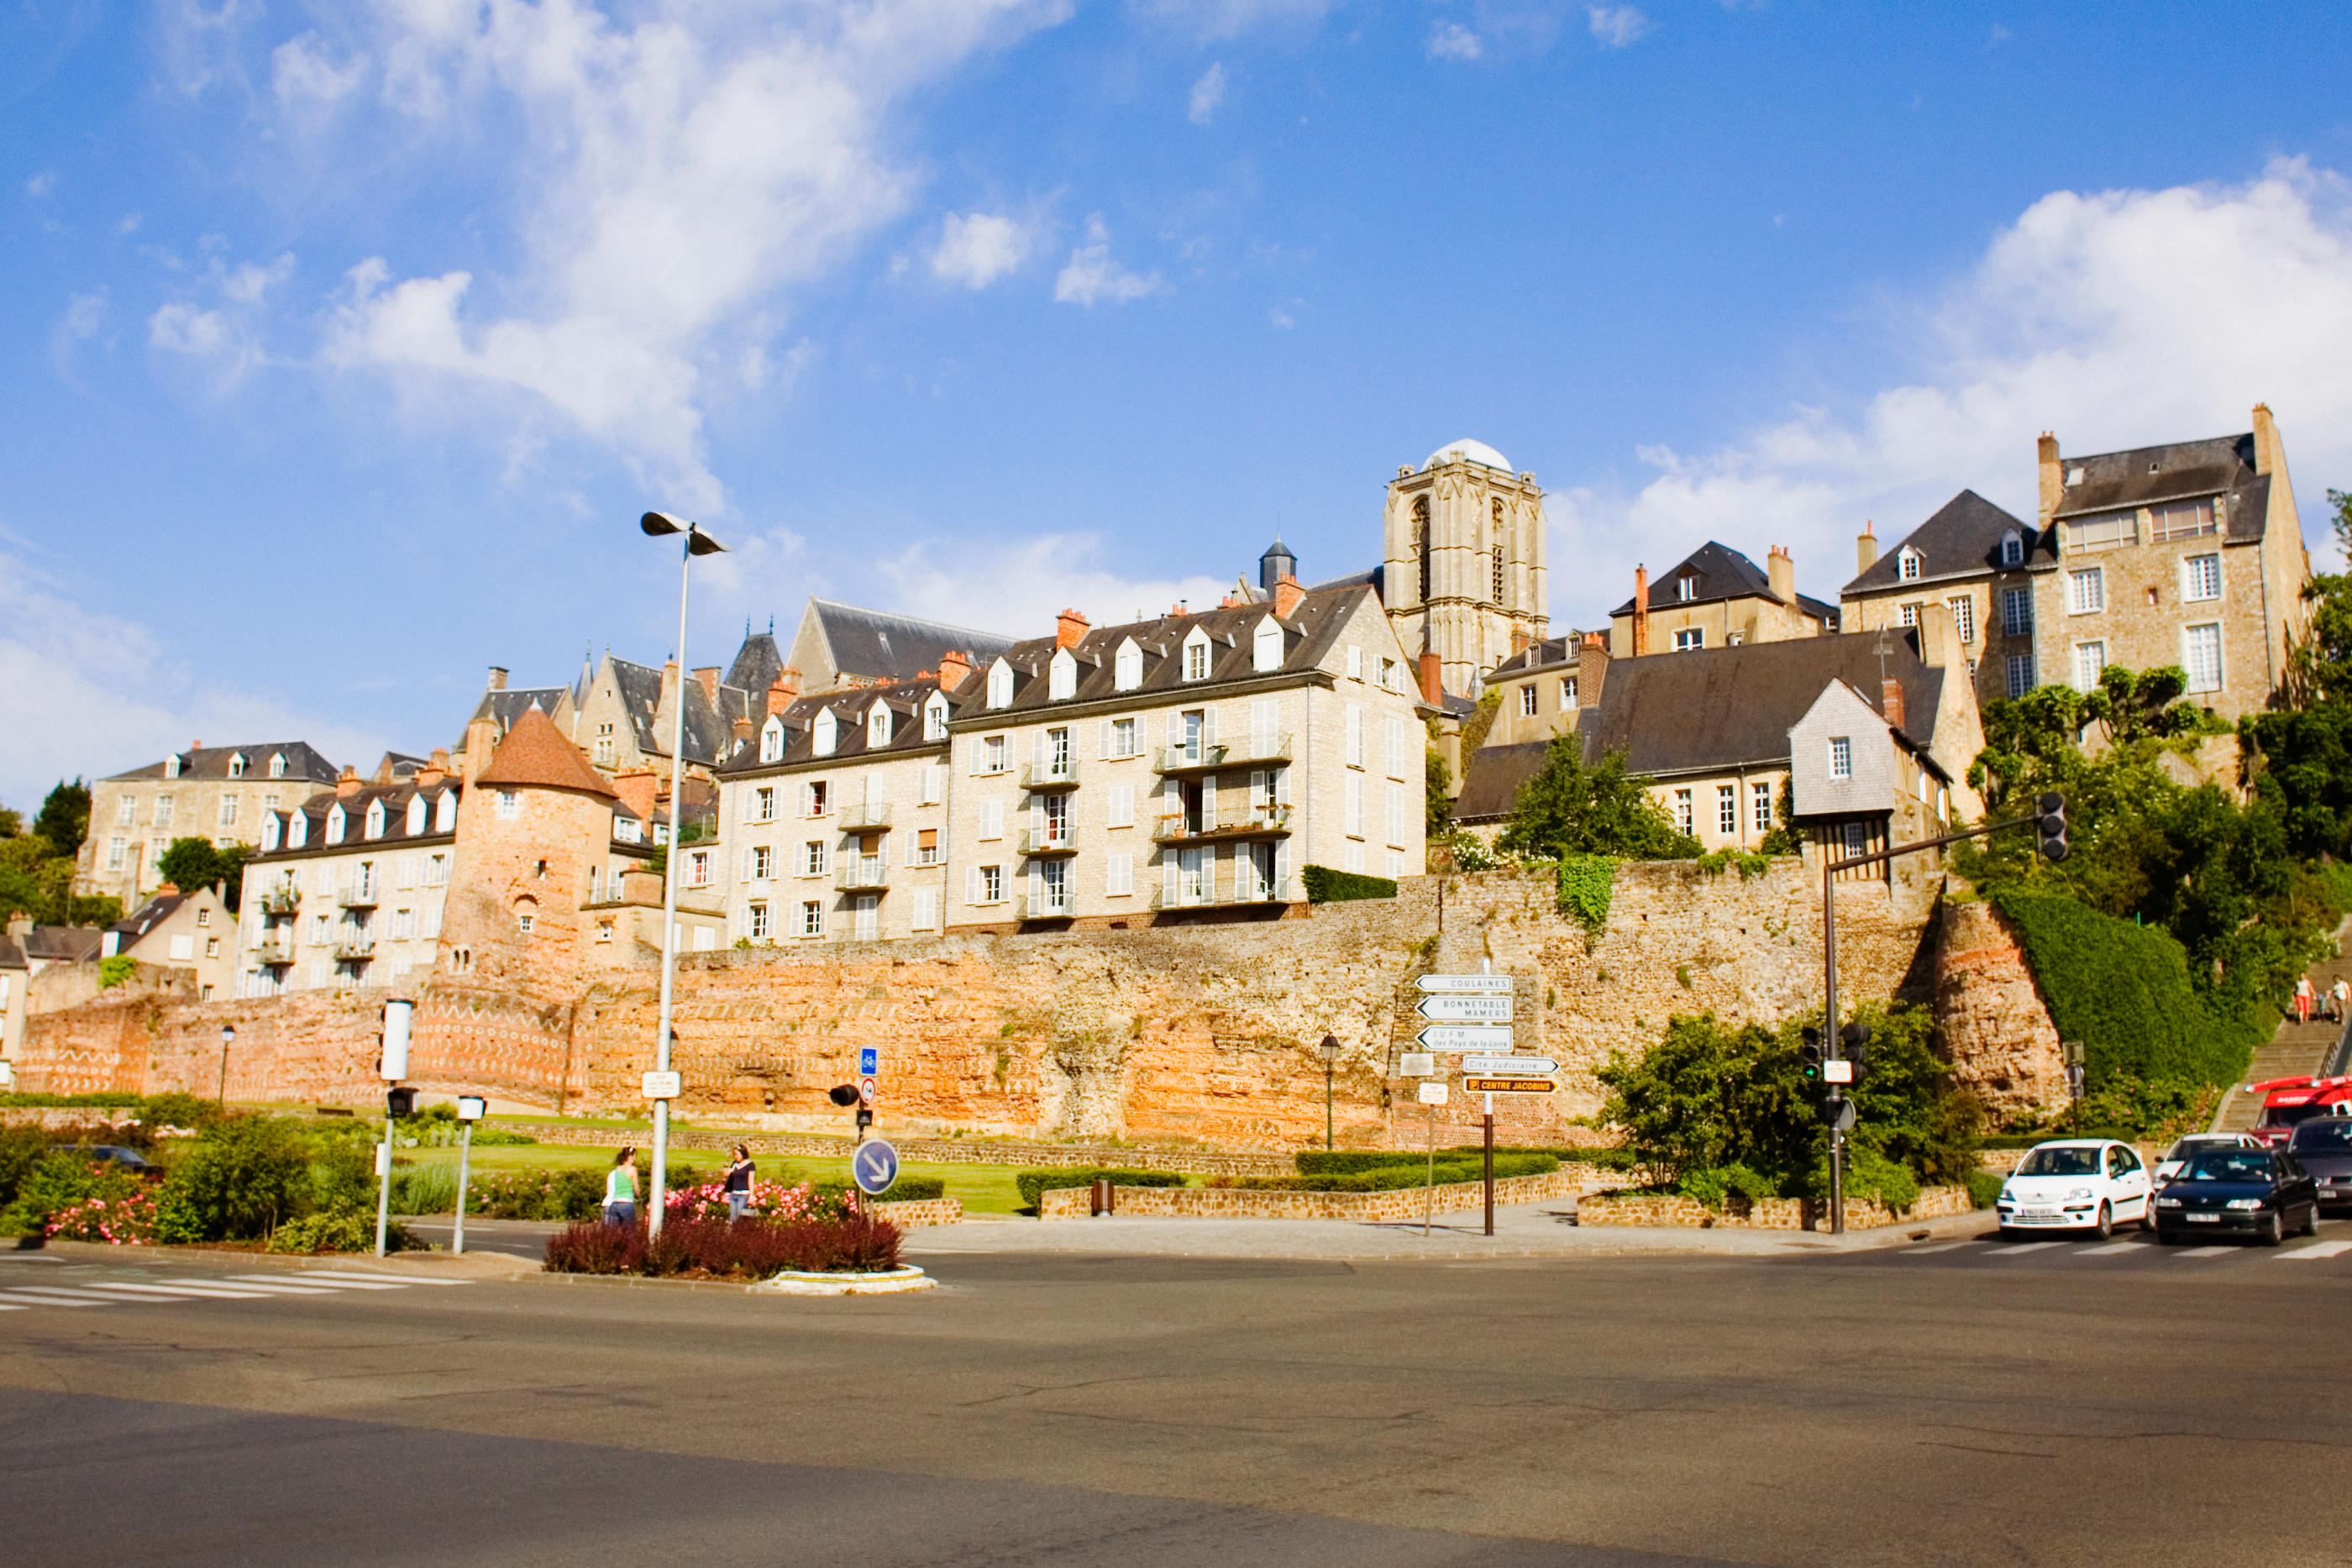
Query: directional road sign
(869, 1060)
(1467, 985)
(874, 1166)
(1510, 1066)
(1836, 1071)
(1464, 1037)
(1507, 1085)
(1466, 1009)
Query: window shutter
(1175, 728)
(1208, 726)
(747, 865)
(1102, 747)
(1168, 876)
(1282, 868)
(972, 885)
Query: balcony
(1047, 906)
(862, 873)
(1041, 841)
(1210, 898)
(1258, 823)
(354, 949)
(280, 901)
(854, 818)
(358, 895)
(1039, 777)
(1207, 759)
(274, 950)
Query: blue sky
(345, 343)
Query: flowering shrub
(751, 1248)
(770, 1200)
(132, 1216)
(556, 1194)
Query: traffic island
(885, 1282)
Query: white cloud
(975, 249)
(1452, 41)
(1091, 275)
(1212, 20)
(84, 693)
(1282, 319)
(2118, 319)
(1207, 94)
(1017, 588)
(303, 73)
(227, 336)
(679, 167)
(1616, 26)
(40, 185)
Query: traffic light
(1811, 1055)
(1856, 1039)
(843, 1093)
(2049, 826)
(400, 1102)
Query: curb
(897, 1281)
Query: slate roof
(757, 664)
(212, 762)
(1375, 578)
(1722, 708)
(505, 706)
(1541, 654)
(1497, 772)
(395, 799)
(905, 699)
(709, 731)
(1961, 539)
(63, 944)
(1723, 573)
(143, 920)
(534, 755)
(2182, 470)
(12, 956)
(879, 646)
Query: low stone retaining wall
(925, 1151)
(1398, 1203)
(1768, 1214)
(921, 1211)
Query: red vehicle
(2288, 1101)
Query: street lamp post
(657, 525)
(1330, 1049)
(228, 1037)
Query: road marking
(377, 1282)
(272, 1289)
(207, 1292)
(2009, 1251)
(1940, 1247)
(29, 1297)
(2320, 1250)
(2204, 1252)
(2105, 1249)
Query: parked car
(2262, 1193)
(2076, 1184)
(2178, 1156)
(2323, 1147)
(2289, 1101)
(131, 1160)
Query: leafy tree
(1567, 809)
(64, 818)
(11, 823)
(192, 864)
(2304, 774)
(245, 1176)
(2320, 671)
(1438, 793)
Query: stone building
(1859, 781)
(1462, 572)
(1973, 559)
(219, 792)
(1716, 598)
(2190, 554)
(1547, 686)
(179, 930)
(839, 646)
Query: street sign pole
(391, 1066)
(1489, 1119)
(1429, 1182)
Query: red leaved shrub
(751, 1248)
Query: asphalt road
(1954, 1404)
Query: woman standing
(739, 1182)
(2303, 999)
(621, 1189)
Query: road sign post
(874, 1168)
(1489, 1119)
(470, 1108)
(1431, 1095)
(1479, 1037)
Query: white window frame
(2214, 681)
(1840, 756)
(2087, 591)
(2194, 571)
(2017, 611)
(1690, 638)
(2087, 676)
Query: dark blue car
(2261, 1193)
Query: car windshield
(2322, 1137)
(2229, 1165)
(2047, 1161)
(2188, 1146)
(2288, 1115)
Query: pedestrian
(2303, 999)
(739, 1182)
(2340, 993)
(621, 1189)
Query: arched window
(1420, 540)
(2012, 549)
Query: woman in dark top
(739, 1182)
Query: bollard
(1106, 1200)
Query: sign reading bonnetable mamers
(1466, 1009)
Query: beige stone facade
(193, 931)
(221, 793)
(1464, 573)
(1970, 562)
(1545, 687)
(1716, 598)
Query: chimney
(1641, 610)
(784, 690)
(2266, 441)
(434, 771)
(1591, 669)
(1890, 701)
(1865, 548)
(1939, 637)
(638, 789)
(2053, 481)
(169, 889)
(194, 747)
(1287, 596)
(1781, 566)
(498, 682)
(1069, 628)
(1521, 639)
(348, 785)
(955, 668)
(20, 927)
(481, 735)
(708, 679)
(742, 729)
(1432, 679)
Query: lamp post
(228, 1037)
(657, 525)
(1330, 1049)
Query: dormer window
(771, 740)
(935, 717)
(878, 726)
(270, 833)
(2013, 549)
(171, 768)
(1128, 668)
(1196, 655)
(1906, 565)
(336, 822)
(1266, 645)
(999, 684)
(236, 765)
(445, 812)
(1687, 588)
(278, 765)
(416, 816)
(298, 829)
(824, 733)
(1062, 676)
(374, 829)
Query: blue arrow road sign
(869, 1060)
(875, 1165)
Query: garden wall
(1367, 1207)
(1765, 1214)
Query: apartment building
(219, 792)
(1975, 559)
(1716, 598)
(1545, 687)
(192, 930)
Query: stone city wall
(1365, 1207)
(1996, 1028)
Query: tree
(1438, 793)
(11, 823)
(190, 864)
(64, 819)
(2320, 671)
(1568, 809)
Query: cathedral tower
(1463, 571)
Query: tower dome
(1276, 564)
(1468, 451)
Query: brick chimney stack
(638, 789)
(1890, 701)
(168, 889)
(497, 681)
(955, 668)
(708, 679)
(2266, 441)
(434, 771)
(1521, 640)
(1287, 596)
(2053, 480)
(1432, 679)
(1781, 566)
(348, 784)
(1641, 610)
(783, 691)
(1069, 628)
(1865, 548)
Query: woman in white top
(621, 1189)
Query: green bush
(57, 1181)
(915, 1189)
(21, 1149)
(1869, 1175)
(1586, 883)
(2124, 990)
(112, 972)
(1715, 1187)
(1325, 885)
(1983, 1187)
(425, 1189)
(537, 1195)
(106, 1098)
(179, 1111)
(246, 1176)
(342, 1230)
(1410, 1171)
(1034, 1185)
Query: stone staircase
(2295, 1051)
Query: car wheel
(2106, 1224)
(2311, 1220)
(2271, 1231)
(2008, 1233)
(2147, 1216)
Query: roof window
(1128, 668)
(1907, 564)
(999, 684)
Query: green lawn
(984, 1189)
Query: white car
(2178, 1156)
(2077, 1184)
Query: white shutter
(747, 797)
(1257, 789)
(1263, 726)
(1208, 726)
(972, 885)
(1282, 868)
(1355, 735)
(1168, 875)
(992, 819)
(747, 865)
(1282, 786)
(1175, 728)
(1103, 748)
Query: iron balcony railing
(1201, 757)
(1258, 823)
(1041, 776)
(1048, 907)
(358, 895)
(859, 872)
(280, 901)
(274, 950)
(349, 949)
(1215, 898)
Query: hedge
(1410, 1172)
(1325, 885)
(1351, 1162)
(913, 1189)
(1033, 1185)
(2123, 991)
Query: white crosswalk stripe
(357, 1278)
(1938, 1247)
(270, 1288)
(2106, 1250)
(329, 1282)
(2320, 1250)
(199, 1292)
(33, 1295)
(2206, 1253)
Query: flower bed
(124, 1220)
(715, 1248)
(772, 1201)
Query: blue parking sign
(869, 1060)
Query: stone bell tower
(1463, 573)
